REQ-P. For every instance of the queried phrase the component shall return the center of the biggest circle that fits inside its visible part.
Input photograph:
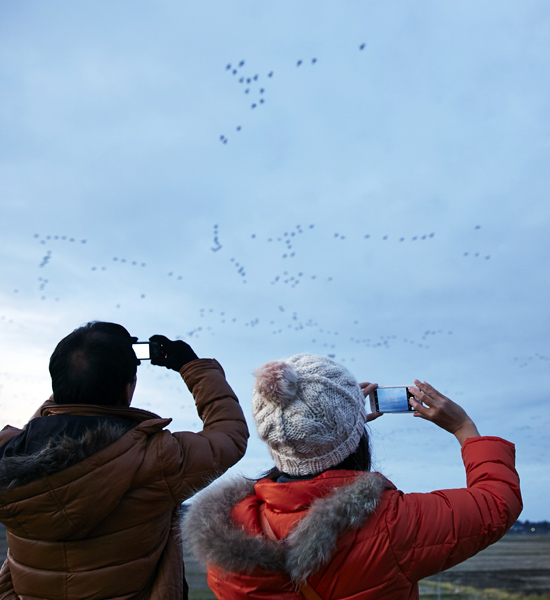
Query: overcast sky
(359, 179)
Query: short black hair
(93, 365)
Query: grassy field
(515, 568)
(517, 564)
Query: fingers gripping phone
(391, 399)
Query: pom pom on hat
(277, 381)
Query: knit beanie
(310, 411)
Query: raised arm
(432, 532)
(194, 459)
(442, 411)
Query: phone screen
(142, 350)
(393, 399)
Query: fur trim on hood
(16, 471)
(215, 538)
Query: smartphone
(148, 351)
(391, 399)
(142, 350)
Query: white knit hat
(310, 411)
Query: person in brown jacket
(91, 489)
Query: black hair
(93, 365)
(360, 460)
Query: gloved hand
(172, 355)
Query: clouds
(385, 204)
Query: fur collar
(215, 538)
(16, 471)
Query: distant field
(516, 567)
(519, 564)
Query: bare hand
(367, 388)
(433, 406)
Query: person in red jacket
(320, 524)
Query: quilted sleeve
(431, 532)
(193, 460)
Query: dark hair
(360, 460)
(93, 365)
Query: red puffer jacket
(351, 535)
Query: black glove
(172, 355)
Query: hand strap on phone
(306, 589)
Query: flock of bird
(254, 85)
(284, 252)
(288, 252)
(283, 320)
(527, 361)
(287, 242)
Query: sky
(360, 179)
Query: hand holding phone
(171, 354)
(164, 352)
(367, 388)
(433, 406)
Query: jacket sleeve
(433, 532)
(192, 460)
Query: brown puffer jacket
(105, 526)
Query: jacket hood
(216, 538)
(17, 471)
(64, 479)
